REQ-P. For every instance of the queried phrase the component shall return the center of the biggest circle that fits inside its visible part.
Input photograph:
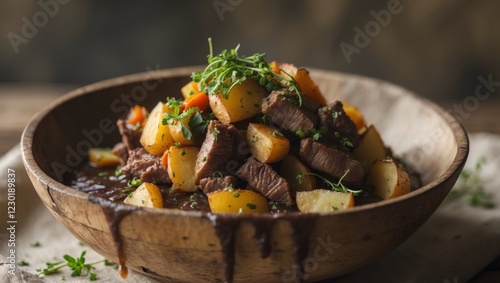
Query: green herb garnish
(134, 183)
(228, 69)
(78, 265)
(337, 187)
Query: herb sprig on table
(228, 69)
(470, 185)
(77, 265)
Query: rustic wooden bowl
(179, 246)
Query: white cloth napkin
(456, 243)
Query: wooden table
(19, 102)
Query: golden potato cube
(103, 157)
(388, 179)
(243, 102)
(267, 144)
(370, 148)
(237, 201)
(146, 195)
(155, 136)
(181, 163)
(320, 200)
(291, 167)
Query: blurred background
(436, 48)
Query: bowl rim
(31, 165)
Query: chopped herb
(229, 187)
(300, 133)
(126, 191)
(36, 244)
(197, 124)
(345, 143)
(193, 204)
(265, 119)
(236, 195)
(137, 126)
(318, 133)
(274, 206)
(215, 132)
(102, 174)
(23, 263)
(130, 195)
(251, 206)
(178, 116)
(118, 171)
(134, 183)
(183, 153)
(277, 133)
(335, 114)
(334, 207)
(228, 69)
(177, 144)
(204, 158)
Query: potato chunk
(370, 148)
(388, 179)
(155, 136)
(291, 167)
(147, 195)
(320, 200)
(243, 102)
(103, 157)
(181, 163)
(307, 86)
(267, 144)
(237, 201)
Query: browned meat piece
(340, 126)
(282, 108)
(130, 135)
(215, 152)
(145, 166)
(332, 162)
(265, 180)
(121, 150)
(212, 184)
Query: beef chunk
(265, 180)
(339, 125)
(121, 150)
(332, 162)
(215, 152)
(145, 166)
(212, 184)
(283, 109)
(130, 135)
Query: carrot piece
(164, 159)
(137, 115)
(199, 100)
(275, 67)
(306, 84)
(355, 115)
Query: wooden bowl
(180, 246)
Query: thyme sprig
(228, 69)
(337, 187)
(77, 265)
